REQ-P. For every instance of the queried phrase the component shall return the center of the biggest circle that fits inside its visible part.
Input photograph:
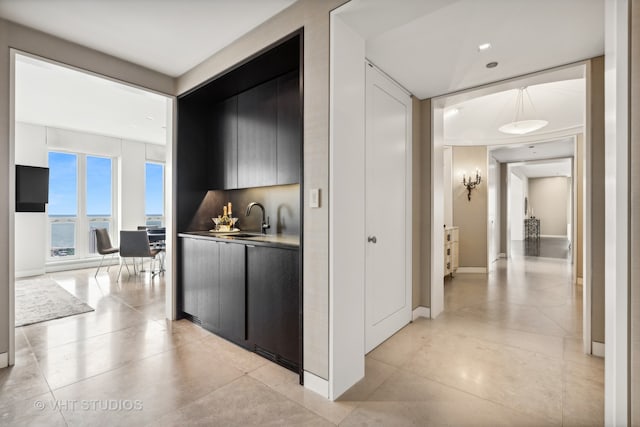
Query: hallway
(506, 351)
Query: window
(80, 200)
(63, 203)
(154, 194)
(98, 197)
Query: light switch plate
(314, 198)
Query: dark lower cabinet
(199, 280)
(273, 303)
(247, 294)
(232, 292)
(212, 278)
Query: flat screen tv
(32, 188)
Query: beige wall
(425, 203)
(470, 216)
(595, 136)
(314, 17)
(416, 201)
(35, 42)
(504, 194)
(634, 290)
(548, 197)
(579, 240)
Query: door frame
(438, 105)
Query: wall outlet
(314, 198)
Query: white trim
(4, 360)
(29, 273)
(76, 264)
(421, 311)
(11, 359)
(555, 236)
(597, 349)
(471, 270)
(316, 384)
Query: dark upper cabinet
(289, 129)
(273, 303)
(257, 133)
(232, 291)
(223, 152)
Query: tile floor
(506, 352)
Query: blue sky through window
(154, 189)
(63, 184)
(98, 186)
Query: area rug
(38, 300)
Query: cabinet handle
(448, 266)
(448, 251)
(372, 239)
(448, 237)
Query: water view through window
(70, 216)
(63, 202)
(154, 194)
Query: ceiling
(431, 46)
(531, 152)
(167, 36)
(57, 96)
(476, 121)
(544, 169)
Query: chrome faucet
(265, 224)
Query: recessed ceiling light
(492, 64)
(484, 46)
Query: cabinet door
(289, 137)
(257, 123)
(199, 280)
(273, 302)
(232, 292)
(223, 150)
(192, 263)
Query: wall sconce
(471, 184)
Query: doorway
(75, 123)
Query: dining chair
(135, 244)
(104, 247)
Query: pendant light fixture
(521, 124)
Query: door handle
(372, 239)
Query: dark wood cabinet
(198, 277)
(223, 150)
(289, 129)
(213, 285)
(273, 303)
(232, 292)
(257, 132)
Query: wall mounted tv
(32, 188)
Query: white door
(388, 215)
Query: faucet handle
(266, 225)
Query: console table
(531, 228)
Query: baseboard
(29, 273)
(579, 281)
(502, 255)
(554, 236)
(470, 270)
(80, 264)
(597, 349)
(4, 360)
(316, 384)
(421, 311)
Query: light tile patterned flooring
(506, 352)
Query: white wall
(346, 238)
(447, 181)
(31, 227)
(32, 145)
